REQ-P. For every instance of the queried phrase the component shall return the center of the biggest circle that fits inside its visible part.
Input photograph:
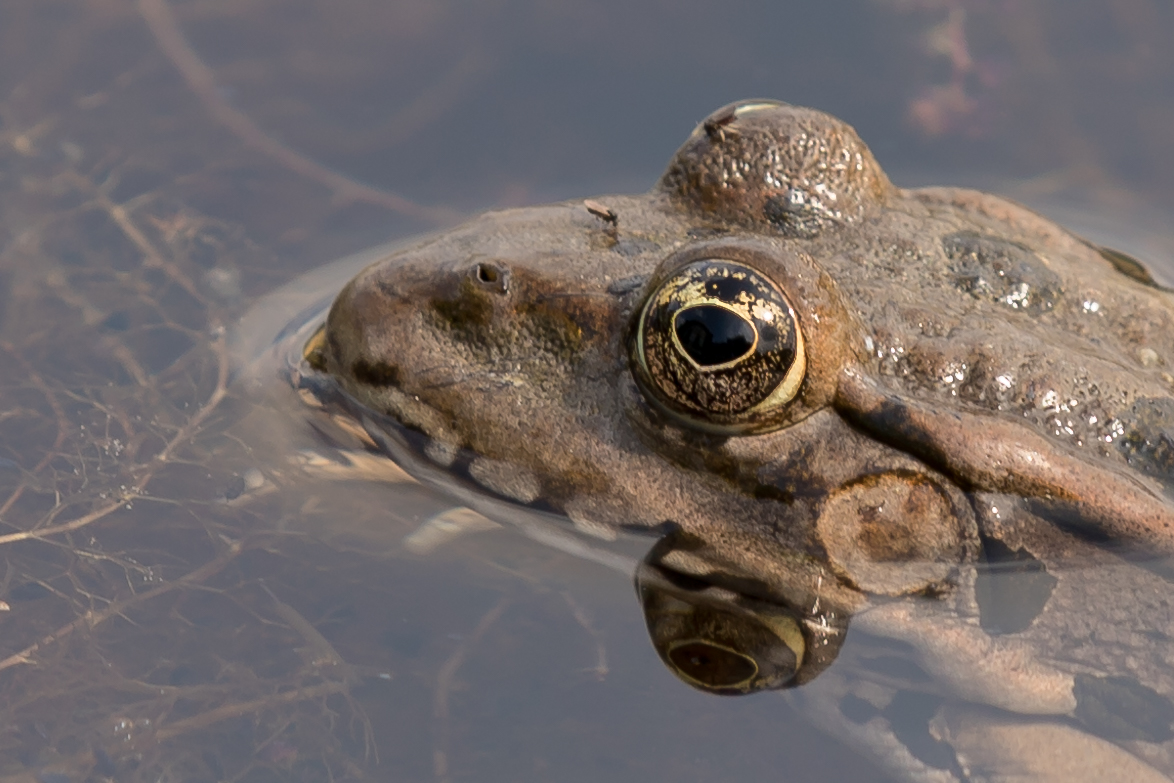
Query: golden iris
(718, 342)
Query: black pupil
(712, 665)
(713, 335)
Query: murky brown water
(164, 164)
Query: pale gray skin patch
(599, 517)
(508, 480)
(443, 454)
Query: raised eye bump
(718, 344)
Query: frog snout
(369, 331)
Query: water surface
(180, 602)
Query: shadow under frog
(839, 396)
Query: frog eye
(718, 343)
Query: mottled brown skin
(519, 322)
(963, 355)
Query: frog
(928, 417)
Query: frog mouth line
(408, 448)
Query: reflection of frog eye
(720, 642)
(714, 665)
(734, 653)
(718, 341)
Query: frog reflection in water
(832, 398)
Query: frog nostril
(491, 276)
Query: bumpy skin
(949, 333)
(974, 374)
